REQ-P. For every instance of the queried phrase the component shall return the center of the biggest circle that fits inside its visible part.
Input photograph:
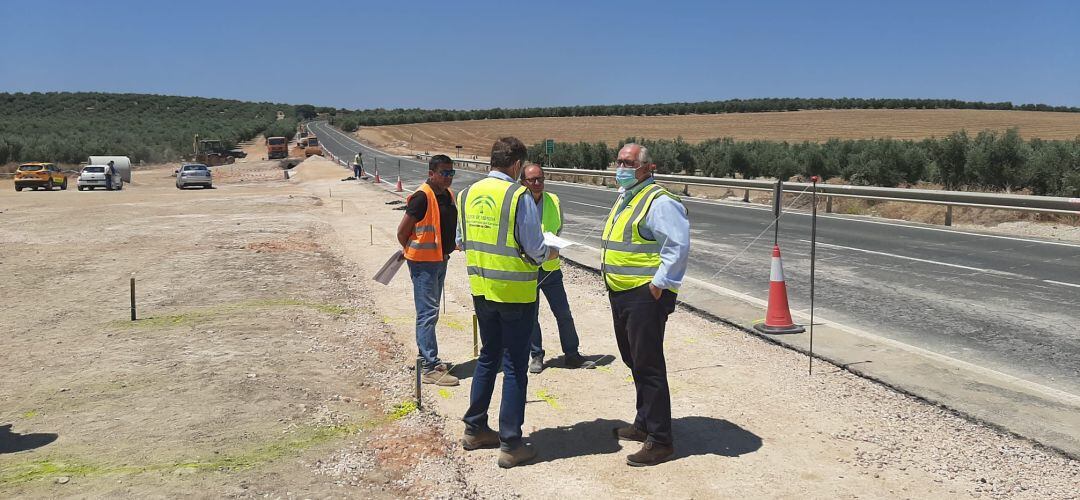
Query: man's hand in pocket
(655, 291)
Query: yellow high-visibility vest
(552, 221)
(497, 269)
(630, 260)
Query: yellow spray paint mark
(401, 410)
(445, 394)
(605, 369)
(193, 317)
(691, 341)
(548, 397)
(30, 414)
(455, 324)
(630, 378)
(295, 442)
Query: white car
(194, 174)
(93, 176)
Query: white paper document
(388, 270)
(556, 241)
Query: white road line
(819, 320)
(588, 204)
(1062, 283)
(958, 266)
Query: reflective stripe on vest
(630, 260)
(425, 243)
(487, 211)
(552, 222)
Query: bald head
(533, 179)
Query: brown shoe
(517, 456)
(651, 453)
(440, 375)
(486, 438)
(630, 433)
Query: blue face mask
(625, 177)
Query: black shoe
(573, 360)
(651, 453)
(630, 433)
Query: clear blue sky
(514, 54)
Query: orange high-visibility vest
(425, 244)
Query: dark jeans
(551, 283)
(504, 332)
(639, 330)
(356, 171)
(427, 280)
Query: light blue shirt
(667, 224)
(527, 228)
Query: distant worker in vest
(551, 278)
(645, 245)
(499, 228)
(358, 166)
(427, 233)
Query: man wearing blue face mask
(645, 244)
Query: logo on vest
(484, 202)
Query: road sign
(549, 146)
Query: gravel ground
(743, 407)
(749, 421)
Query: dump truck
(307, 146)
(277, 147)
(212, 152)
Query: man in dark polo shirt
(427, 237)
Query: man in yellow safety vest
(645, 246)
(551, 278)
(500, 230)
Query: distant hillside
(351, 120)
(67, 127)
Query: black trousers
(639, 330)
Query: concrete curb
(1043, 415)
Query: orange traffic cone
(778, 315)
(399, 188)
(377, 177)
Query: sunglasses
(447, 173)
(626, 163)
(535, 180)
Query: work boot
(517, 456)
(440, 375)
(629, 433)
(536, 365)
(486, 438)
(573, 360)
(651, 453)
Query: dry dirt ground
(477, 136)
(266, 363)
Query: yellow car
(39, 175)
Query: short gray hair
(643, 153)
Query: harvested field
(817, 126)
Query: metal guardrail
(1027, 203)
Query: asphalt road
(1011, 304)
